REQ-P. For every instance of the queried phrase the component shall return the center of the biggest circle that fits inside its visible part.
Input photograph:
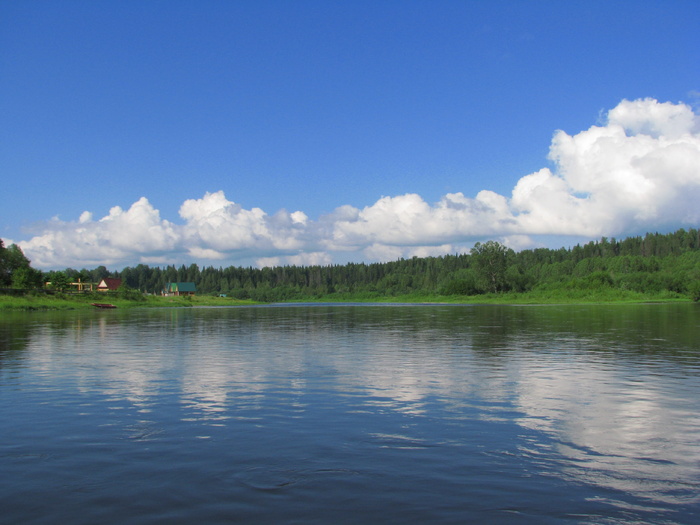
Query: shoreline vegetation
(34, 302)
(653, 268)
(59, 301)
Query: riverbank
(75, 302)
(534, 297)
(78, 302)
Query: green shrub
(694, 290)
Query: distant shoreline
(72, 302)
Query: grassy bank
(602, 295)
(77, 302)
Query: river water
(352, 414)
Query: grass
(77, 302)
(556, 296)
(532, 297)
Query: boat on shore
(103, 305)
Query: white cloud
(135, 235)
(213, 222)
(637, 170)
(205, 253)
(383, 252)
(299, 217)
(302, 259)
(641, 170)
(649, 117)
(409, 220)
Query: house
(109, 285)
(179, 289)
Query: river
(352, 414)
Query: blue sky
(318, 132)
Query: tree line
(652, 263)
(15, 269)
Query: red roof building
(109, 285)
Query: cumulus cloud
(638, 170)
(135, 234)
(409, 220)
(216, 224)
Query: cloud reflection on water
(618, 416)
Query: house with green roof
(179, 289)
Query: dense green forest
(652, 264)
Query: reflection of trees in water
(14, 336)
(40, 331)
(667, 331)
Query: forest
(665, 265)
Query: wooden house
(109, 284)
(179, 289)
(83, 287)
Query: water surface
(352, 414)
